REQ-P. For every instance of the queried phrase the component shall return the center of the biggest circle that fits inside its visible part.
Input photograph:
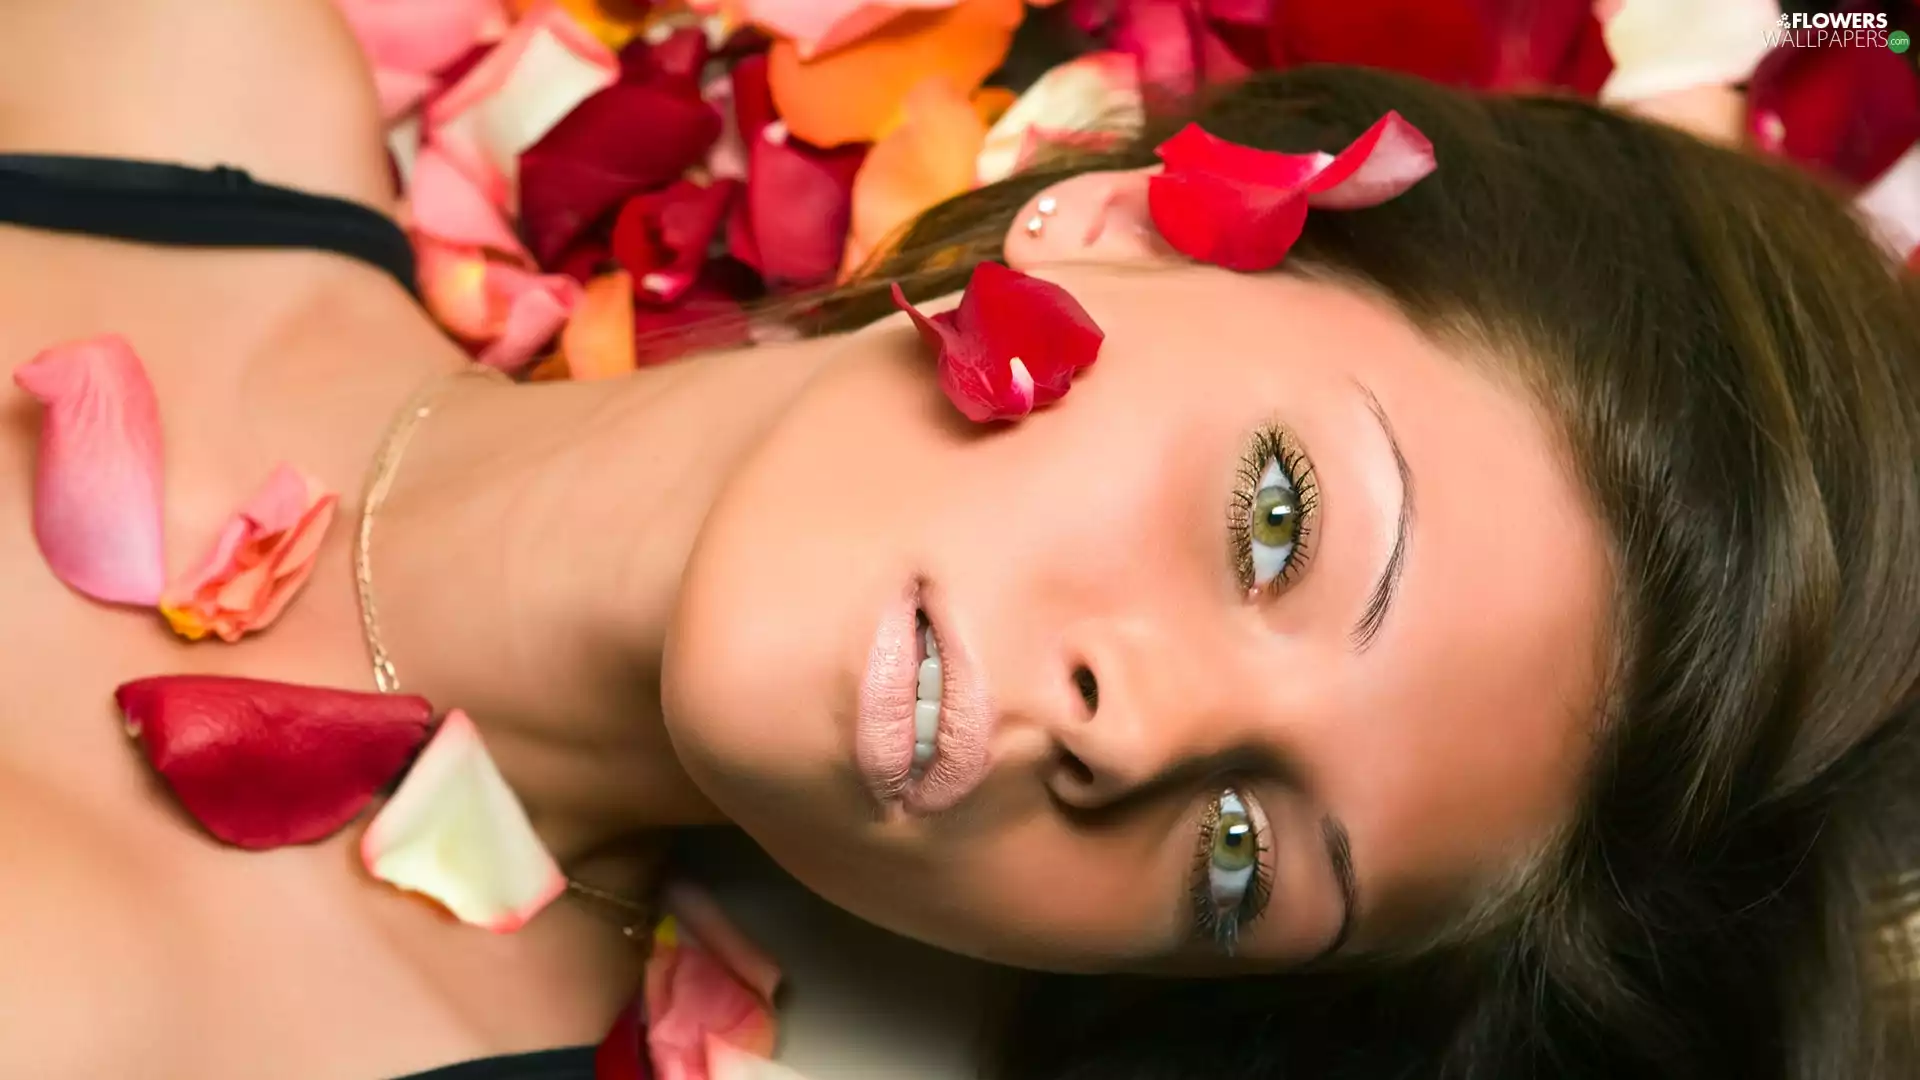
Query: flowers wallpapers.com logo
(1816, 30)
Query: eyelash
(1223, 929)
(1271, 443)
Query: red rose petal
(1243, 209)
(1013, 344)
(1843, 109)
(1487, 44)
(673, 65)
(707, 317)
(623, 140)
(662, 237)
(623, 1053)
(798, 207)
(264, 764)
(1387, 159)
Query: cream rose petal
(456, 833)
(1662, 47)
(1891, 204)
(728, 1062)
(546, 66)
(1097, 93)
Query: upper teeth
(926, 706)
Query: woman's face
(1282, 631)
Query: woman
(1484, 648)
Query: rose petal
(1227, 215)
(544, 68)
(421, 36)
(598, 340)
(97, 481)
(1097, 93)
(853, 94)
(622, 1055)
(1487, 44)
(537, 307)
(624, 140)
(1012, 345)
(927, 159)
(700, 915)
(727, 1062)
(1891, 205)
(261, 764)
(614, 22)
(400, 92)
(258, 563)
(1663, 47)
(706, 318)
(1843, 109)
(792, 225)
(694, 1001)
(448, 205)
(456, 833)
(673, 64)
(1386, 160)
(1243, 209)
(662, 238)
(818, 26)
(1175, 47)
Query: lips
(886, 730)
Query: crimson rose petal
(1486, 44)
(662, 237)
(1845, 110)
(1013, 344)
(1243, 209)
(621, 141)
(263, 764)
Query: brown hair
(1735, 368)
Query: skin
(656, 597)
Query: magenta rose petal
(263, 764)
(1390, 157)
(623, 140)
(1013, 345)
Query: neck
(527, 560)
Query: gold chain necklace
(386, 464)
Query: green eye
(1230, 887)
(1233, 843)
(1276, 517)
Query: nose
(1147, 704)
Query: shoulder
(84, 989)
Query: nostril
(1075, 769)
(1089, 688)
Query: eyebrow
(1340, 857)
(1387, 586)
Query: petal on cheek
(97, 511)
(456, 833)
(263, 765)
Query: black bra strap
(174, 204)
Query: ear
(1093, 217)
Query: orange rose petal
(456, 833)
(598, 340)
(820, 26)
(97, 492)
(258, 563)
(927, 159)
(614, 22)
(851, 95)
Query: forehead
(1452, 745)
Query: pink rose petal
(262, 765)
(97, 494)
(504, 312)
(1013, 345)
(449, 205)
(456, 833)
(258, 563)
(421, 36)
(694, 1002)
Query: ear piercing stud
(1044, 209)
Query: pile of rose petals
(594, 185)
